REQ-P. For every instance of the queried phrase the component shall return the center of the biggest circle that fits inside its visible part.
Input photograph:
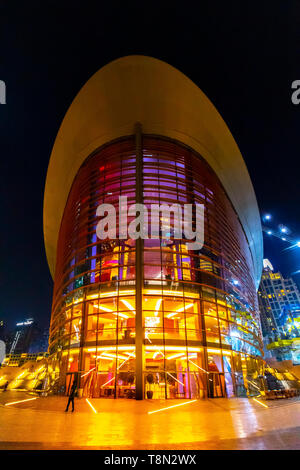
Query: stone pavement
(236, 423)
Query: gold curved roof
(166, 102)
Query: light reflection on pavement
(125, 424)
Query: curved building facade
(151, 318)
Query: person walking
(71, 396)
(5, 386)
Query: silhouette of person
(72, 395)
(5, 386)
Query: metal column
(139, 271)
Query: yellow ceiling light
(128, 305)
(157, 307)
(174, 356)
(109, 310)
(92, 296)
(110, 348)
(113, 356)
(116, 293)
(170, 348)
(187, 295)
(130, 354)
(218, 351)
(181, 309)
(105, 309)
(122, 315)
(157, 354)
(198, 366)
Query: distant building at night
(151, 317)
(2, 330)
(279, 303)
(22, 337)
(40, 344)
(17, 360)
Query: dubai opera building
(150, 318)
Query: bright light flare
(198, 367)
(169, 407)
(88, 372)
(109, 310)
(113, 356)
(262, 404)
(174, 356)
(157, 307)
(20, 401)
(181, 383)
(157, 353)
(91, 406)
(128, 305)
(253, 384)
(182, 309)
(108, 382)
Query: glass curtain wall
(201, 328)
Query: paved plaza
(126, 424)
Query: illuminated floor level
(113, 424)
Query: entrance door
(70, 377)
(216, 385)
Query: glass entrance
(216, 385)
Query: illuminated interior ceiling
(167, 103)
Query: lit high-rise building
(151, 317)
(277, 296)
(2, 330)
(23, 335)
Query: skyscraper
(279, 303)
(151, 317)
(23, 335)
(278, 297)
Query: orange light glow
(262, 404)
(108, 382)
(198, 366)
(111, 348)
(113, 356)
(88, 372)
(128, 305)
(157, 307)
(91, 406)
(181, 383)
(182, 309)
(21, 401)
(171, 348)
(169, 407)
(109, 310)
(157, 353)
(174, 356)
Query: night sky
(243, 57)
